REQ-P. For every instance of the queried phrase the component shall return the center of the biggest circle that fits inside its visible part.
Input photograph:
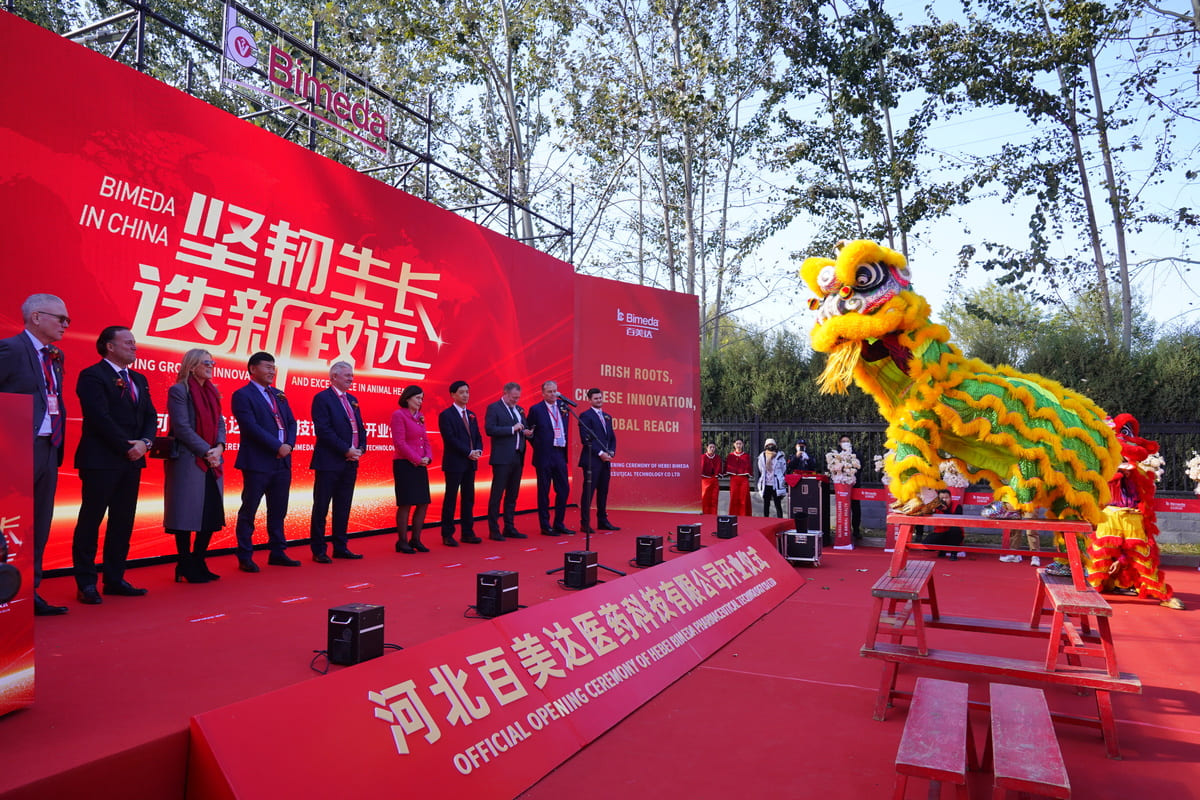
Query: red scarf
(207, 402)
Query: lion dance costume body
(1039, 444)
(1122, 556)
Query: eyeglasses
(63, 319)
(208, 363)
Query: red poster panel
(489, 710)
(16, 553)
(641, 346)
(142, 206)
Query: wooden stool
(1022, 744)
(937, 743)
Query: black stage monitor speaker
(495, 592)
(579, 570)
(649, 551)
(355, 633)
(687, 537)
(726, 527)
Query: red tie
(466, 422)
(56, 420)
(353, 423)
(132, 392)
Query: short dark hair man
(462, 447)
(268, 435)
(341, 441)
(504, 422)
(119, 422)
(31, 363)
(599, 440)
(548, 422)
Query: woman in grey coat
(194, 489)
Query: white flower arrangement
(843, 466)
(951, 475)
(1154, 463)
(879, 468)
(1193, 470)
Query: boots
(402, 545)
(200, 555)
(186, 568)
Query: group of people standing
(119, 431)
(772, 465)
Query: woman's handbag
(164, 447)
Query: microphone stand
(586, 437)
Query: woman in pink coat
(410, 470)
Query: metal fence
(1177, 442)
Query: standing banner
(16, 553)
(142, 206)
(843, 534)
(489, 710)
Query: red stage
(784, 710)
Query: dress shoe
(190, 572)
(472, 540)
(586, 528)
(496, 537)
(247, 566)
(321, 558)
(346, 554)
(43, 609)
(420, 548)
(548, 532)
(89, 596)
(124, 589)
(514, 534)
(282, 560)
(562, 530)
(605, 525)
(404, 547)
(449, 541)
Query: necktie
(560, 440)
(466, 422)
(603, 427)
(353, 424)
(516, 418)
(132, 392)
(275, 411)
(56, 419)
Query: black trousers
(111, 492)
(459, 483)
(45, 482)
(598, 485)
(334, 486)
(553, 474)
(506, 484)
(274, 486)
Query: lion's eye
(827, 278)
(868, 276)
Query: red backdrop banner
(16, 553)
(488, 710)
(142, 206)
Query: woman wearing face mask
(771, 484)
(711, 467)
(855, 505)
(737, 465)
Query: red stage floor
(784, 710)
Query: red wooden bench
(903, 594)
(1073, 612)
(1021, 745)
(937, 743)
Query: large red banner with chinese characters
(486, 711)
(142, 206)
(16, 553)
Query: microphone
(566, 400)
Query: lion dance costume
(1039, 444)
(1122, 557)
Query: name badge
(52, 405)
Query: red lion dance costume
(1122, 556)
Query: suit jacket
(543, 433)
(604, 439)
(259, 433)
(110, 418)
(457, 441)
(507, 447)
(334, 434)
(21, 373)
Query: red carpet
(784, 710)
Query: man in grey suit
(31, 364)
(504, 423)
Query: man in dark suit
(462, 447)
(504, 422)
(118, 428)
(268, 435)
(31, 364)
(341, 441)
(599, 441)
(548, 421)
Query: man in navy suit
(462, 447)
(268, 435)
(341, 441)
(548, 421)
(31, 364)
(504, 422)
(599, 441)
(118, 429)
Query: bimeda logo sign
(637, 325)
(240, 46)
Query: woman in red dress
(737, 465)
(711, 467)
